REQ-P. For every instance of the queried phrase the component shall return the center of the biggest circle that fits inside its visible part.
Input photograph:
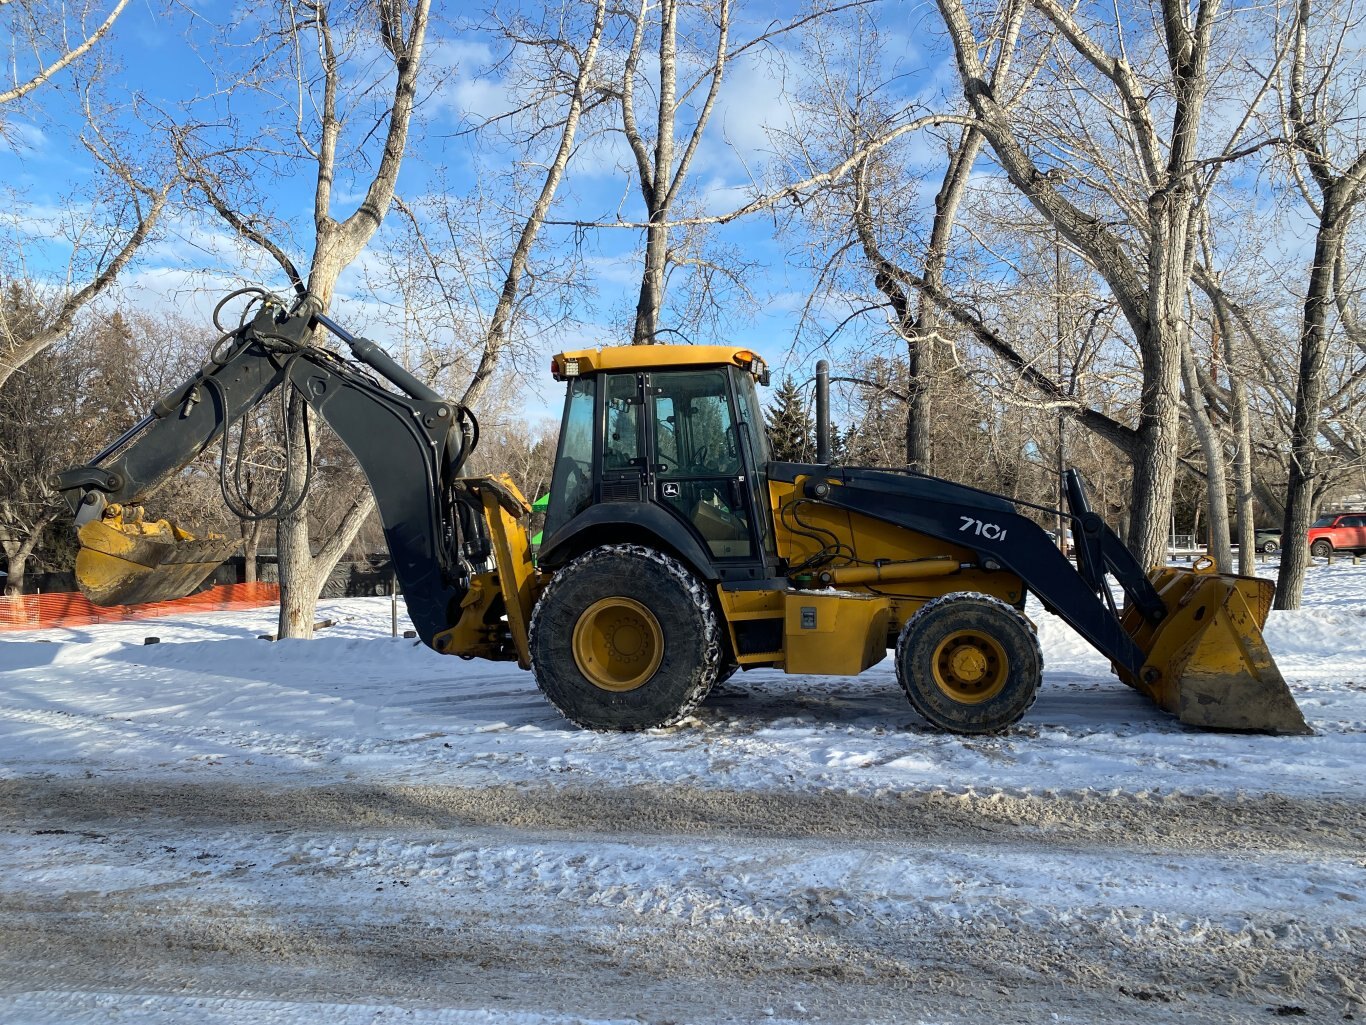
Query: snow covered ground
(216, 828)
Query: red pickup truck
(1336, 532)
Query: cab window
(621, 445)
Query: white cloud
(23, 139)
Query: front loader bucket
(126, 561)
(1207, 662)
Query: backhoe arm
(410, 443)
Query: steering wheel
(574, 474)
(699, 460)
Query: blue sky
(166, 57)
(169, 56)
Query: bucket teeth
(128, 563)
(1207, 661)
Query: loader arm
(1008, 540)
(411, 444)
(1190, 640)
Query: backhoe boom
(411, 446)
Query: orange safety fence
(40, 611)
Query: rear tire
(1269, 546)
(1322, 548)
(625, 638)
(969, 663)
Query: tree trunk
(1150, 502)
(1242, 480)
(251, 545)
(1216, 480)
(294, 554)
(17, 555)
(1303, 475)
(922, 340)
(920, 367)
(17, 570)
(1242, 438)
(659, 191)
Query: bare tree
(1230, 407)
(1216, 487)
(687, 79)
(1141, 241)
(96, 381)
(659, 177)
(48, 36)
(1328, 161)
(578, 93)
(28, 455)
(128, 193)
(916, 317)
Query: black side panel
(756, 636)
(787, 473)
(991, 526)
(904, 485)
(622, 519)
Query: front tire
(1269, 546)
(969, 663)
(625, 638)
(1322, 548)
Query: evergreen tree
(838, 445)
(791, 433)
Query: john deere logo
(671, 491)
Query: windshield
(571, 484)
(1324, 521)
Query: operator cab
(677, 428)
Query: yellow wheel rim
(970, 667)
(618, 644)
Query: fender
(626, 521)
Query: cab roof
(582, 362)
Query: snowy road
(217, 829)
(718, 908)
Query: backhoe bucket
(124, 560)
(1207, 661)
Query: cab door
(696, 460)
(623, 470)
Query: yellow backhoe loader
(676, 550)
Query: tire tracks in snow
(1197, 822)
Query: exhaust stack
(823, 412)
